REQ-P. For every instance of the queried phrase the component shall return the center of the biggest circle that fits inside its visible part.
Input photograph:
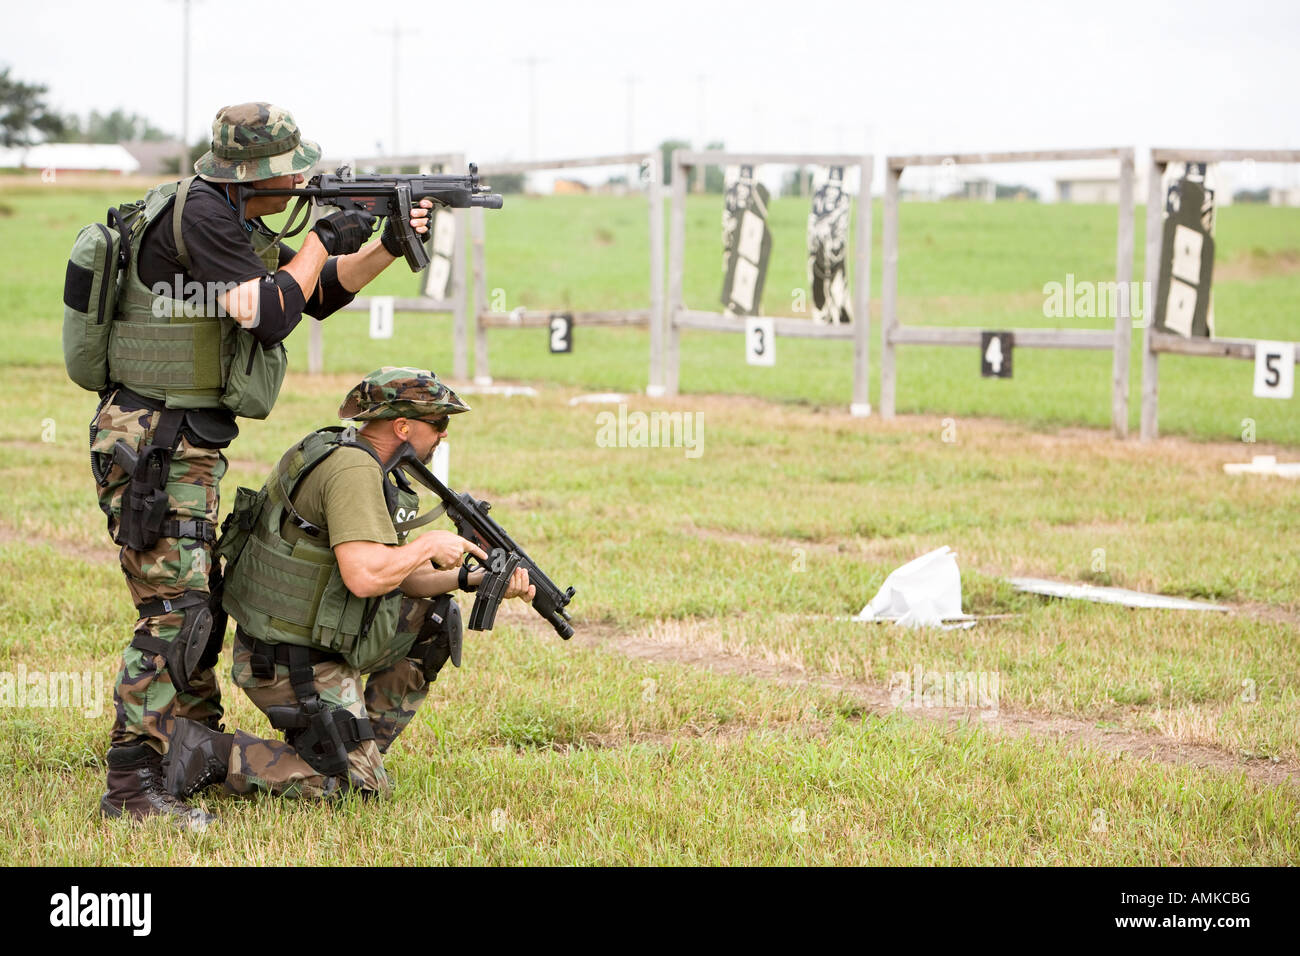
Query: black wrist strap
(463, 581)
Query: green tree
(115, 127)
(24, 116)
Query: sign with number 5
(1274, 369)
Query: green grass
(614, 748)
(962, 264)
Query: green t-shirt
(343, 496)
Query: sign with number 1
(381, 317)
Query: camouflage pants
(145, 701)
(390, 699)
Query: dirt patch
(1258, 264)
(676, 643)
(94, 553)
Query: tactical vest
(294, 594)
(202, 359)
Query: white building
(70, 157)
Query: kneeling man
(326, 589)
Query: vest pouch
(255, 376)
(381, 646)
(239, 523)
(339, 616)
(89, 300)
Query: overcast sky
(896, 77)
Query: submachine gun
(390, 196)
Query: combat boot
(197, 757)
(135, 789)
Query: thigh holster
(439, 639)
(321, 734)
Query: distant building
(570, 187)
(1284, 196)
(71, 158)
(154, 157)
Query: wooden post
(654, 191)
(676, 268)
(1123, 312)
(482, 371)
(1150, 359)
(315, 349)
(861, 404)
(460, 347)
(889, 289)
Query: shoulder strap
(182, 191)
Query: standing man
(326, 590)
(180, 372)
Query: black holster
(145, 502)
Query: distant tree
(1251, 195)
(115, 127)
(796, 182)
(1003, 191)
(715, 176)
(505, 182)
(24, 116)
(666, 150)
(197, 149)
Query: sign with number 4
(995, 354)
(562, 332)
(1274, 369)
(760, 341)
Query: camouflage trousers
(144, 698)
(389, 700)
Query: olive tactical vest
(294, 594)
(202, 359)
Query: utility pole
(183, 158)
(394, 146)
(531, 61)
(700, 173)
(631, 111)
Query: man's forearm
(427, 581)
(359, 268)
(305, 267)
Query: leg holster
(195, 648)
(145, 502)
(439, 639)
(322, 735)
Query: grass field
(715, 706)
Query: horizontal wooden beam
(384, 162)
(541, 318)
(1025, 156)
(1172, 344)
(1189, 155)
(405, 305)
(539, 165)
(787, 326)
(1099, 339)
(721, 158)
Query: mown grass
(967, 264)
(754, 553)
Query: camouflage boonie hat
(254, 141)
(400, 393)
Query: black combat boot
(135, 789)
(197, 757)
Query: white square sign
(760, 341)
(381, 317)
(444, 232)
(750, 245)
(1187, 254)
(1180, 308)
(1274, 369)
(744, 283)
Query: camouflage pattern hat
(254, 141)
(400, 393)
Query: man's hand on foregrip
(344, 232)
(419, 223)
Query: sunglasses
(438, 423)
